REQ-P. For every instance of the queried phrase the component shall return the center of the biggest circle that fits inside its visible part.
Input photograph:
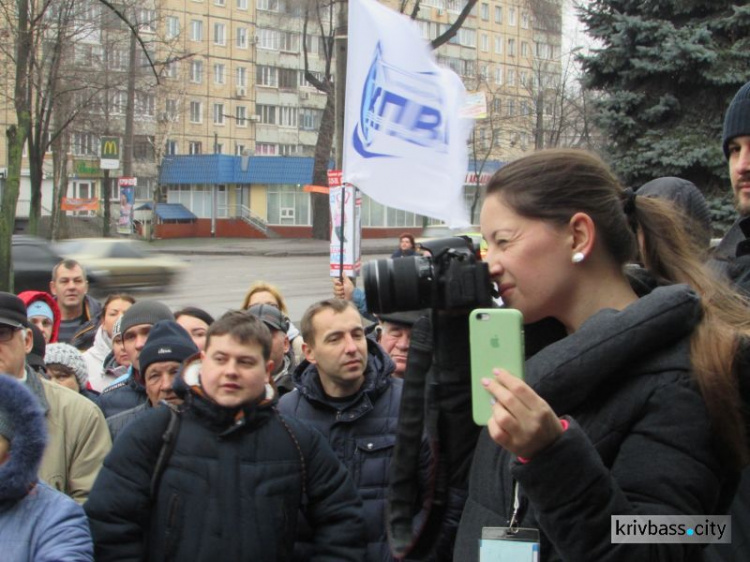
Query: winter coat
(124, 394)
(639, 440)
(95, 356)
(83, 338)
(362, 433)
(118, 422)
(32, 296)
(37, 523)
(731, 258)
(231, 490)
(78, 438)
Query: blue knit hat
(737, 119)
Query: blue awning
(169, 211)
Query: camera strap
(404, 494)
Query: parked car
(118, 263)
(436, 231)
(33, 260)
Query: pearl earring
(578, 257)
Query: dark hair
(306, 324)
(553, 185)
(243, 327)
(410, 237)
(116, 297)
(68, 264)
(195, 312)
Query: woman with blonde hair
(637, 410)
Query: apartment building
(232, 83)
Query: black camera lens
(397, 284)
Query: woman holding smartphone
(637, 410)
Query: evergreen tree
(667, 70)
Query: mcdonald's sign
(110, 153)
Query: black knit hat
(35, 357)
(737, 119)
(167, 341)
(144, 312)
(12, 311)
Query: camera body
(452, 278)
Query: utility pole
(127, 144)
(340, 84)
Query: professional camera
(453, 278)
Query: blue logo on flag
(401, 104)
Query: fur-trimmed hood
(19, 474)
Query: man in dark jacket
(732, 255)
(732, 259)
(238, 473)
(135, 326)
(80, 314)
(345, 389)
(282, 354)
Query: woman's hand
(521, 421)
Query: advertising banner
(346, 227)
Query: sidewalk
(270, 247)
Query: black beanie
(167, 341)
(144, 312)
(737, 119)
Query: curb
(268, 253)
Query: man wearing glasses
(78, 435)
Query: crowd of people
(129, 431)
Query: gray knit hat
(145, 312)
(69, 356)
(737, 118)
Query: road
(219, 283)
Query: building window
(485, 11)
(196, 112)
(242, 4)
(511, 16)
(525, 20)
(498, 14)
(240, 114)
(220, 35)
(309, 119)
(269, 5)
(266, 114)
(512, 47)
(242, 38)
(220, 2)
(218, 148)
(117, 59)
(172, 27)
(171, 70)
(267, 76)
(171, 109)
(288, 78)
(524, 49)
(241, 76)
(499, 75)
(287, 149)
(196, 71)
(288, 205)
(196, 30)
(145, 104)
(146, 20)
(485, 42)
(265, 149)
(498, 44)
(268, 39)
(219, 73)
(143, 148)
(288, 116)
(84, 144)
(511, 77)
(524, 78)
(195, 147)
(239, 149)
(119, 103)
(218, 114)
(289, 41)
(511, 108)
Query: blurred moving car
(118, 263)
(33, 260)
(435, 231)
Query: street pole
(341, 53)
(105, 198)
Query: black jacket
(232, 489)
(362, 433)
(85, 334)
(731, 258)
(639, 440)
(121, 396)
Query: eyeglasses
(7, 332)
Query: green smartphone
(496, 340)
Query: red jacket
(31, 296)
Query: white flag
(405, 141)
